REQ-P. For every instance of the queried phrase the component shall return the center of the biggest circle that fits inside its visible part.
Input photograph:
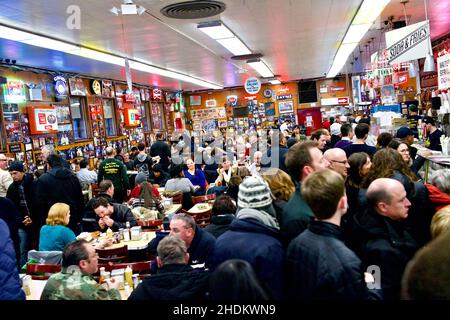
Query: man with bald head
(114, 170)
(386, 242)
(338, 161)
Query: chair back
(142, 268)
(207, 198)
(202, 219)
(114, 255)
(42, 271)
(150, 225)
(95, 189)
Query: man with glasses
(5, 177)
(338, 161)
(75, 281)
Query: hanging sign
(408, 43)
(252, 85)
(443, 64)
(157, 94)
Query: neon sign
(14, 91)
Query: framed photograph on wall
(285, 106)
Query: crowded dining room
(248, 151)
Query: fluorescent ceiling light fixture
(369, 11)
(361, 23)
(216, 30)
(275, 81)
(114, 11)
(356, 32)
(219, 32)
(57, 45)
(141, 10)
(235, 46)
(260, 67)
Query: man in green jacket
(114, 170)
(75, 281)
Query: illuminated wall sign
(211, 103)
(284, 97)
(283, 90)
(336, 88)
(60, 86)
(132, 118)
(250, 98)
(252, 85)
(157, 94)
(14, 91)
(333, 101)
(232, 100)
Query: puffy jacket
(257, 244)
(321, 267)
(10, 285)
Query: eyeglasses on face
(339, 161)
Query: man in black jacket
(385, 240)
(21, 192)
(175, 280)
(59, 184)
(320, 266)
(161, 149)
(200, 243)
(105, 190)
(114, 216)
(158, 177)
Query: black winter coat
(29, 186)
(387, 244)
(59, 185)
(220, 224)
(321, 267)
(173, 282)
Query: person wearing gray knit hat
(255, 201)
(140, 177)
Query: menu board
(43, 119)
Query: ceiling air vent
(193, 9)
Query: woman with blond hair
(440, 223)
(54, 236)
(281, 186)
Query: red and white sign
(211, 103)
(249, 98)
(157, 94)
(283, 90)
(333, 101)
(43, 120)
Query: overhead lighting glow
(219, 32)
(261, 68)
(57, 45)
(361, 23)
(275, 81)
(216, 30)
(235, 46)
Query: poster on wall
(388, 94)
(195, 101)
(269, 108)
(62, 114)
(285, 106)
(13, 132)
(10, 112)
(77, 87)
(43, 119)
(65, 134)
(209, 125)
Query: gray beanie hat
(254, 193)
(140, 177)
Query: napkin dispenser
(136, 233)
(168, 202)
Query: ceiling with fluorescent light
(298, 38)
